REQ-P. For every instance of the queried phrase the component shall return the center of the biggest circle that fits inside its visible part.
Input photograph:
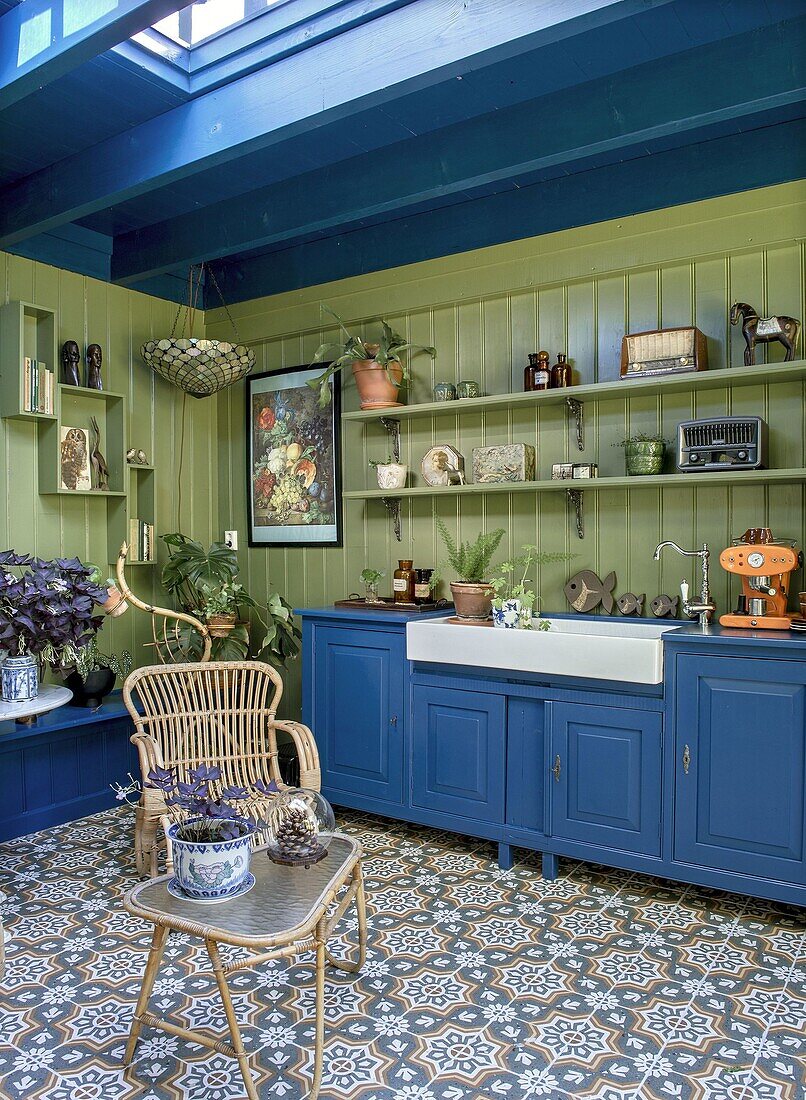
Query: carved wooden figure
(71, 357)
(764, 330)
(100, 470)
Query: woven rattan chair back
(217, 712)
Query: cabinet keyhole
(557, 768)
(686, 759)
(393, 720)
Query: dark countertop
(66, 717)
(369, 615)
(723, 636)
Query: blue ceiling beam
(41, 40)
(415, 47)
(737, 162)
(605, 120)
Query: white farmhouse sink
(589, 648)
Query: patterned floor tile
(479, 984)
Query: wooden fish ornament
(665, 607)
(584, 591)
(630, 604)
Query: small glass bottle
(537, 375)
(561, 372)
(422, 585)
(403, 582)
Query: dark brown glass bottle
(403, 582)
(537, 375)
(561, 373)
(422, 585)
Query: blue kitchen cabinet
(605, 776)
(458, 742)
(740, 765)
(526, 765)
(358, 715)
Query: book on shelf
(39, 387)
(141, 540)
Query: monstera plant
(204, 582)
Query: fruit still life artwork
(293, 491)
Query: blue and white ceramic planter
(210, 870)
(20, 679)
(508, 614)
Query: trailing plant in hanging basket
(199, 367)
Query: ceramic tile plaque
(510, 462)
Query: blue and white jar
(210, 870)
(508, 614)
(20, 679)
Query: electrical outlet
(231, 539)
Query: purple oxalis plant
(47, 608)
(210, 817)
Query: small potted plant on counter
(391, 475)
(205, 580)
(371, 579)
(95, 673)
(377, 368)
(515, 600)
(212, 845)
(47, 615)
(472, 592)
(643, 453)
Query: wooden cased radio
(663, 351)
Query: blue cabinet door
(458, 747)
(606, 776)
(740, 765)
(358, 715)
(526, 764)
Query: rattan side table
(284, 914)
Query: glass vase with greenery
(371, 579)
(204, 580)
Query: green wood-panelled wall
(579, 290)
(120, 321)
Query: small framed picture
(293, 468)
(75, 459)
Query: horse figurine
(757, 329)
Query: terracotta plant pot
(115, 604)
(220, 625)
(472, 601)
(377, 385)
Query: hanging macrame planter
(199, 367)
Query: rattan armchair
(217, 712)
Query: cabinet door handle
(686, 759)
(393, 720)
(557, 768)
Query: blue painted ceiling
(662, 101)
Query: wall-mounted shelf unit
(595, 485)
(700, 381)
(139, 503)
(77, 405)
(26, 331)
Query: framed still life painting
(293, 465)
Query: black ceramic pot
(92, 691)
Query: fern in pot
(515, 600)
(470, 561)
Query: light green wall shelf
(26, 330)
(77, 404)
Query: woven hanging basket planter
(199, 367)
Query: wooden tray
(388, 604)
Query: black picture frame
(317, 433)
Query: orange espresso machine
(765, 565)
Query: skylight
(205, 18)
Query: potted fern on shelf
(470, 561)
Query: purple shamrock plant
(211, 817)
(47, 608)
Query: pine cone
(297, 837)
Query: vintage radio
(663, 351)
(735, 442)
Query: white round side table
(50, 696)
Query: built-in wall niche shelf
(77, 406)
(694, 382)
(26, 331)
(138, 504)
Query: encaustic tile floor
(478, 984)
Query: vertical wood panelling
(577, 291)
(120, 321)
